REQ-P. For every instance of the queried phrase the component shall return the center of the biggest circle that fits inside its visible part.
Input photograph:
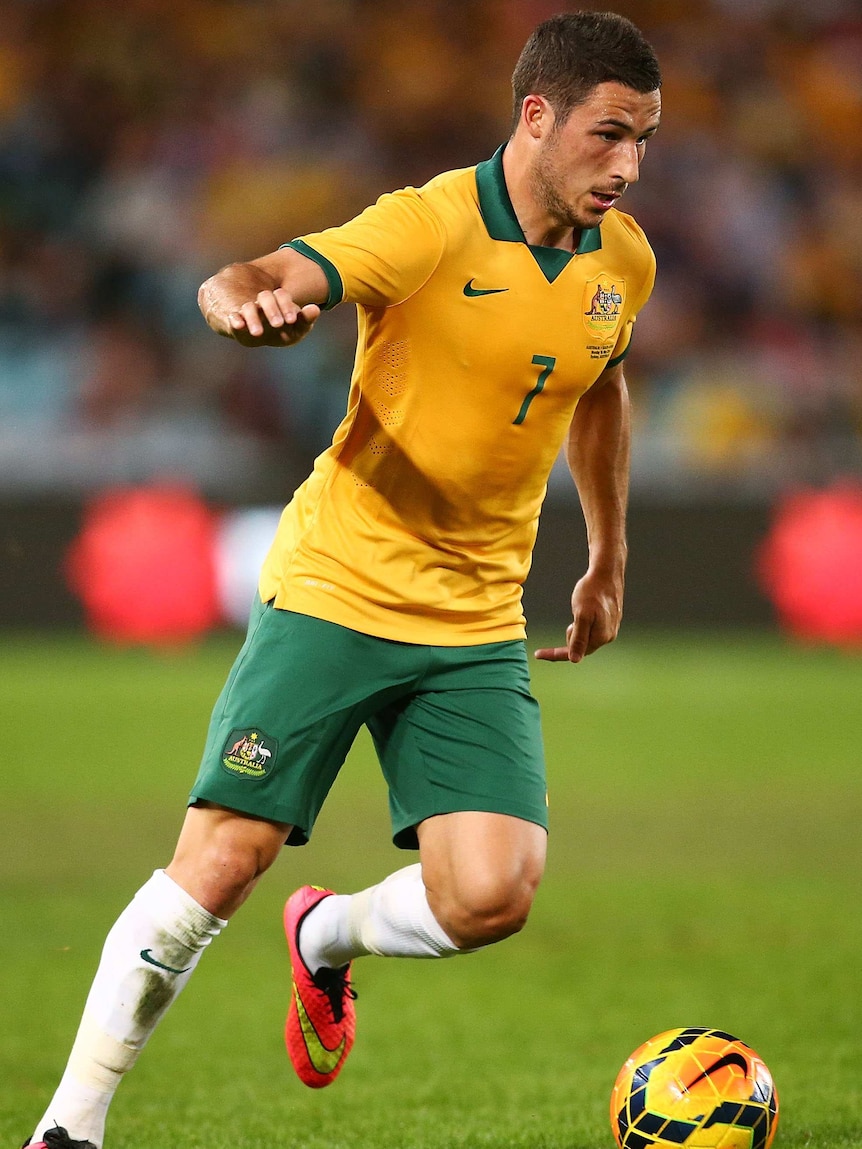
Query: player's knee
(487, 911)
(237, 863)
(219, 874)
(220, 866)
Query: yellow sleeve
(381, 257)
(624, 343)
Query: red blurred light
(810, 564)
(143, 565)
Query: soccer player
(495, 309)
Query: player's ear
(537, 115)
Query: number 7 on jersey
(547, 363)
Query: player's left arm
(598, 453)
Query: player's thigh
(468, 740)
(293, 703)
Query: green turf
(703, 870)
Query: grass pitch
(703, 870)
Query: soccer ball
(697, 1088)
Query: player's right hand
(271, 319)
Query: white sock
(149, 955)
(391, 919)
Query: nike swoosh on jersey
(147, 956)
(472, 292)
(324, 1060)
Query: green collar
(502, 223)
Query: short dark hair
(568, 55)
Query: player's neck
(540, 228)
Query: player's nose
(628, 163)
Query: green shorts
(455, 728)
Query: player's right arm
(268, 302)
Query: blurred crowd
(144, 144)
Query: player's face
(584, 164)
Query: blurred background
(145, 144)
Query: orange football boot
(321, 1021)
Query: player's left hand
(597, 609)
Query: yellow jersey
(417, 524)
